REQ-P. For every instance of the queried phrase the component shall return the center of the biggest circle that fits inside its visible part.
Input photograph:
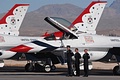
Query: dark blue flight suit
(77, 63)
(69, 54)
(86, 57)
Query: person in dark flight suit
(86, 57)
(69, 55)
(77, 62)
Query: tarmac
(96, 65)
(14, 70)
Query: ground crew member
(86, 57)
(69, 55)
(77, 62)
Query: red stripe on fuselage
(21, 48)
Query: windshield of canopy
(65, 23)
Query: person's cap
(68, 46)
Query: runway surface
(17, 73)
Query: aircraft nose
(21, 48)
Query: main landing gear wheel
(116, 70)
(29, 67)
(47, 68)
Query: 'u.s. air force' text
(28, 39)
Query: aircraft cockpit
(62, 25)
(50, 37)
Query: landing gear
(29, 67)
(38, 66)
(47, 68)
(116, 70)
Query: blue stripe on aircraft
(48, 47)
(43, 44)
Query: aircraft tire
(116, 70)
(29, 67)
(47, 68)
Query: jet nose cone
(21, 48)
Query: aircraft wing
(61, 27)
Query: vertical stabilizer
(11, 22)
(88, 20)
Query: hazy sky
(5, 5)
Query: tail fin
(88, 20)
(11, 22)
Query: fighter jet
(100, 47)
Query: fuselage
(97, 45)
